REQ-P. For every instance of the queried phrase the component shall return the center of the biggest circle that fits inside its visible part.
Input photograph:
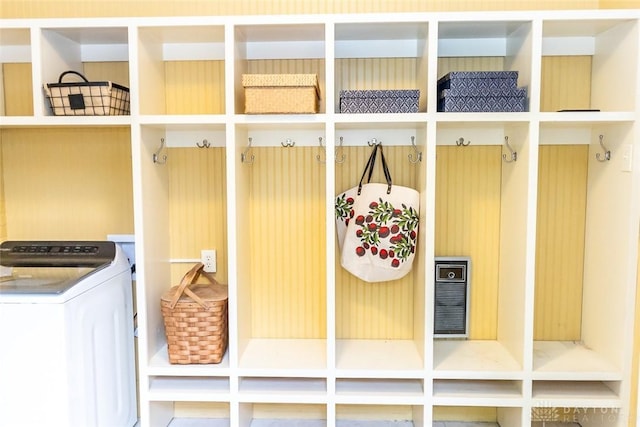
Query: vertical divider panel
(517, 214)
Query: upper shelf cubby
(182, 69)
(587, 64)
(486, 46)
(381, 56)
(279, 49)
(74, 48)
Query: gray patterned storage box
(379, 101)
(481, 91)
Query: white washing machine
(66, 335)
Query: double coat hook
(606, 156)
(514, 154)
(156, 156)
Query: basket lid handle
(188, 279)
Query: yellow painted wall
(562, 198)
(47, 8)
(286, 253)
(67, 183)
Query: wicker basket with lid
(195, 319)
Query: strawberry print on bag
(388, 232)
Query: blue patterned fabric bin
(379, 101)
(481, 91)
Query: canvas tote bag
(377, 226)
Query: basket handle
(188, 279)
(72, 72)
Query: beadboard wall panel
(17, 86)
(92, 198)
(376, 73)
(561, 217)
(566, 83)
(374, 310)
(194, 87)
(471, 63)
(468, 184)
(87, 8)
(197, 207)
(287, 250)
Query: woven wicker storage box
(195, 320)
(281, 93)
(87, 98)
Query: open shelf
(474, 359)
(579, 394)
(306, 357)
(189, 389)
(562, 360)
(478, 392)
(283, 390)
(399, 358)
(380, 391)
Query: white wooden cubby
(514, 374)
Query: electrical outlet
(208, 257)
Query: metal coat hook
(415, 150)
(342, 157)
(514, 154)
(607, 153)
(288, 143)
(373, 142)
(204, 144)
(318, 158)
(460, 142)
(243, 156)
(156, 155)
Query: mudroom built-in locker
(531, 198)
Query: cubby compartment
(189, 388)
(573, 416)
(383, 391)
(100, 53)
(581, 394)
(279, 244)
(16, 75)
(307, 390)
(380, 415)
(185, 195)
(191, 413)
(380, 325)
(481, 212)
(470, 415)
(506, 393)
(294, 48)
(485, 46)
(602, 76)
(258, 414)
(381, 56)
(584, 175)
(181, 69)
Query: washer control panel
(56, 253)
